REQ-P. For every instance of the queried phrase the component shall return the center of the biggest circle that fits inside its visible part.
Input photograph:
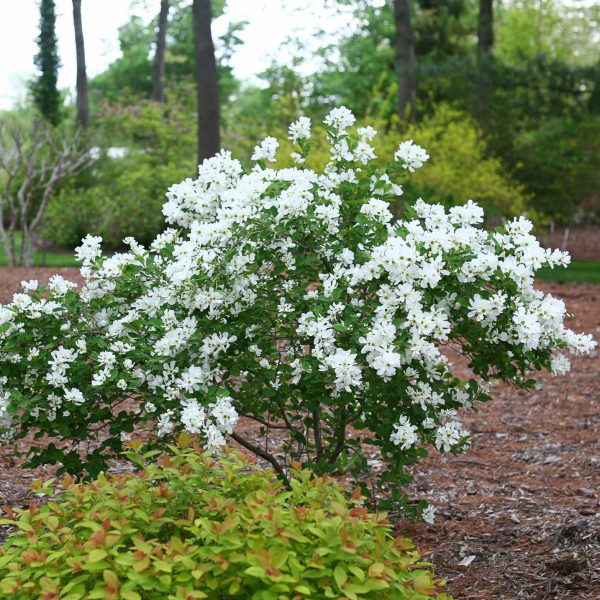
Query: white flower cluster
(285, 286)
(411, 155)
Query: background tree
(83, 105)
(209, 137)
(44, 89)
(158, 88)
(33, 160)
(485, 30)
(405, 61)
(130, 77)
(485, 42)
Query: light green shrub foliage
(460, 167)
(190, 526)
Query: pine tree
(44, 89)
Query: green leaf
(302, 589)
(340, 575)
(255, 571)
(97, 555)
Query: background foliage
(533, 149)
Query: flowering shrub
(191, 527)
(293, 298)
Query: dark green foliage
(560, 162)
(538, 104)
(44, 89)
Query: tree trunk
(209, 140)
(158, 86)
(83, 105)
(485, 30)
(405, 62)
(6, 244)
(485, 43)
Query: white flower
(366, 134)
(377, 209)
(300, 129)
(560, 365)
(224, 414)
(193, 416)
(98, 379)
(89, 250)
(347, 372)
(6, 315)
(60, 286)
(165, 425)
(339, 119)
(29, 286)
(284, 307)
(266, 150)
(487, 311)
(579, 343)
(449, 435)
(428, 514)
(411, 155)
(74, 395)
(404, 434)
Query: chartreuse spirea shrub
(190, 526)
(294, 298)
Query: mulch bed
(519, 514)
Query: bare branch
(40, 158)
(263, 454)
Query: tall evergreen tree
(405, 61)
(158, 84)
(209, 138)
(83, 105)
(45, 91)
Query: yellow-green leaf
(340, 575)
(97, 555)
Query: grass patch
(579, 271)
(54, 258)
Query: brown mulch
(519, 514)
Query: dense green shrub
(570, 148)
(124, 201)
(124, 194)
(191, 526)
